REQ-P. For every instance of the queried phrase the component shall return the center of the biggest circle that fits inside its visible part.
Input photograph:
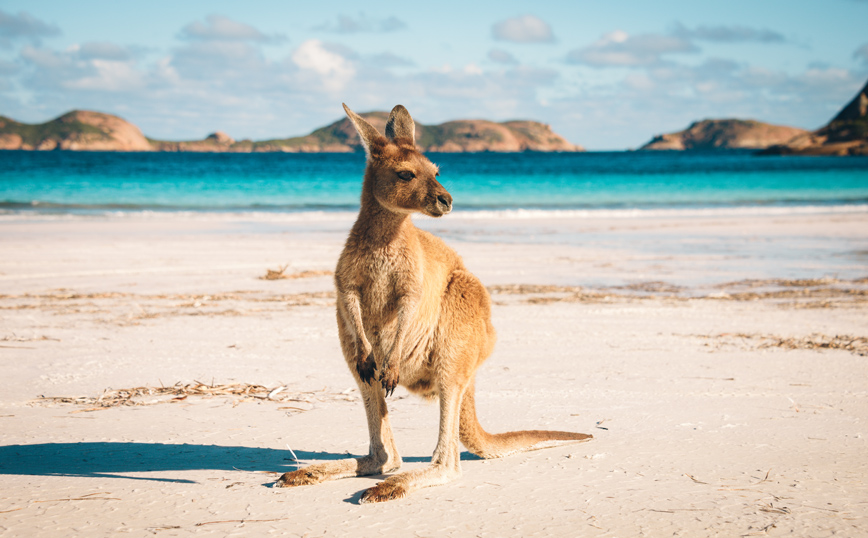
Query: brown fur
(409, 313)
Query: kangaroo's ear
(400, 125)
(369, 135)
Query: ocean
(519, 184)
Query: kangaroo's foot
(387, 490)
(333, 470)
(301, 477)
(402, 484)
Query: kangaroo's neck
(378, 226)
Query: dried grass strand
(178, 392)
(241, 521)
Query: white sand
(696, 434)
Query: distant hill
(846, 134)
(76, 130)
(724, 134)
(454, 136)
(95, 131)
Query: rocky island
(846, 134)
(76, 130)
(708, 135)
(95, 131)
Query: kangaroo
(409, 313)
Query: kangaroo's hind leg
(445, 463)
(462, 337)
(382, 454)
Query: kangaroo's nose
(445, 199)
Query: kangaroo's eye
(406, 175)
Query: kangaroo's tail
(487, 445)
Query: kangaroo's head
(398, 177)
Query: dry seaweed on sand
(655, 286)
(275, 274)
(854, 344)
(800, 293)
(139, 396)
(525, 289)
(15, 338)
(280, 274)
(131, 309)
(544, 294)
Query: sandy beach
(154, 383)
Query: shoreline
(38, 210)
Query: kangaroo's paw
(389, 379)
(366, 368)
(384, 491)
(301, 477)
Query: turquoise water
(85, 182)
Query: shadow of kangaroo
(409, 312)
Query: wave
(629, 213)
(473, 206)
(10, 212)
(55, 207)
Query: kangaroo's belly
(399, 283)
(380, 318)
(381, 328)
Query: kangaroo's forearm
(352, 312)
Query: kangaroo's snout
(444, 202)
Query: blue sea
(611, 183)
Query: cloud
(333, 66)
(103, 50)
(216, 79)
(470, 91)
(728, 34)
(24, 27)
(43, 58)
(211, 78)
(502, 57)
(523, 29)
(387, 59)
(77, 68)
(8, 68)
(109, 76)
(619, 49)
(97, 66)
(347, 24)
(223, 51)
(861, 53)
(818, 77)
(530, 77)
(220, 28)
(217, 60)
(667, 97)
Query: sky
(606, 75)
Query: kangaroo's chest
(387, 273)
